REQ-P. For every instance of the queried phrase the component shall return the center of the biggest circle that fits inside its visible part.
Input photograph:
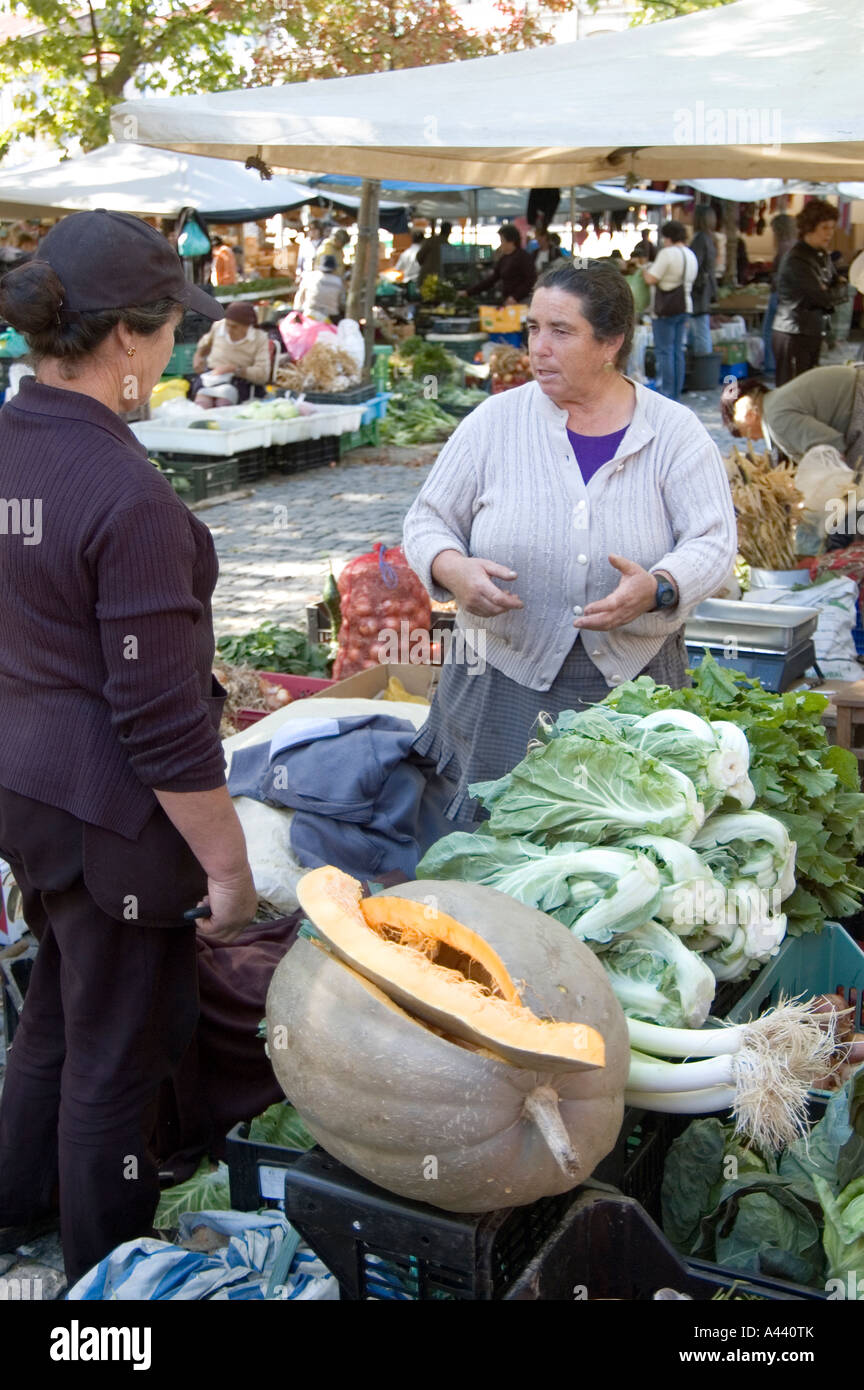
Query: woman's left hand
(635, 594)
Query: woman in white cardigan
(576, 521)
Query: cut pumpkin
(441, 971)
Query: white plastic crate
(327, 420)
(231, 436)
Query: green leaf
(762, 1223)
(280, 1124)
(206, 1190)
(694, 1168)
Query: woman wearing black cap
(233, 357)
(114, 813)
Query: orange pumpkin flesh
(442, 972)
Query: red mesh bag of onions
(385, 612)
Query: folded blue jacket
(356, 799)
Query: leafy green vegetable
(577, 786)
(757, 1213)
(206, 1190)
(271, 648)
(597, 892)
(656, 977)
(280, 1124)
(810, 786)
(754, 1222)
(843, 1237)
(412, 418)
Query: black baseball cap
(112, 260)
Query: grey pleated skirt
(479, 725)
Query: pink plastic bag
(299, 333)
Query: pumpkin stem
(541, 1107)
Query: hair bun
(31, 297)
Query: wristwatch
(667, 593)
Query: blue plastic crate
(375, 409)
(514, 339)
(739, 369)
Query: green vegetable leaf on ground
(206, 1190)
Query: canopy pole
(730, 227)
(572, 220)
(364, 278)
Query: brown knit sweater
(106, 637)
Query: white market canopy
(132, 178)
(746, 90)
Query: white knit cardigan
(506, 487)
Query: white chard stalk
(760, 1070)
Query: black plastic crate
(211, 477)
(635, 1166)
(381, 1246)
(16, 972)
(607, 1247)
(256, 1171)
(192, 327)
(253, 464)
(307, 453)
(354, 396)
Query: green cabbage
(655, 977)
(594, 891)
(590, 789)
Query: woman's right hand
(233, 903)
(469, 580)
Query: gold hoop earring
(130, 352)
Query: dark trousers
(794, 353)
(110, 1009)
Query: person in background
(429, 257)
(307, 255)
(822, 406)
(238, 351)
(224, 264)
(673, 273)
(322, 293)
(784, 233)
(407, 264)
(334, 246)
(513, 275)
(544, 250)
(704, 290)
(645, 246)
(576, 521)
(239, 257)
(808, 289)
(742, 261)
(555, 245)
(636, 280)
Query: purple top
(593, 450)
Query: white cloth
(321, 295)
(506, 487)
(308, 254)
(673, 266)
(407, 264)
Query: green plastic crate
(180, 361)
(358, 439)
(206, 478)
